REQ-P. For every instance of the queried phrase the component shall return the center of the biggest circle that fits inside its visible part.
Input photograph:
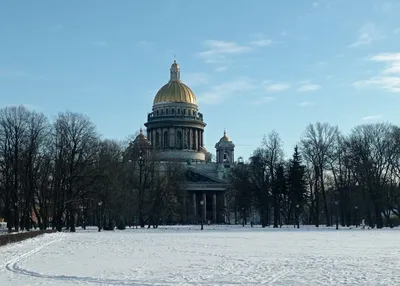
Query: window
(179, 111)
(173, 111)
(162, 111)
(167, 111)
(157, 112)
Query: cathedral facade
(175, 132)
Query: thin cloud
(260, 40)
(367, 34)
(389, 83)
(373, 117)
(306, 103)
(389, 76)
(219, 93)
(195, 79)
(261, 43)
(221, 69)
(263, 100)
(216, 51)
(277, 87)
(308, 87)
(315, 4)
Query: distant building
(175, 132)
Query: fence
(15, 237)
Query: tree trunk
(328, 221)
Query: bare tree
(317, 145)
(76, 145)
(273, 152)
(373, 152)
(14, 128)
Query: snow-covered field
(219, 255)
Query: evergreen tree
(297, 185)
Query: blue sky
(254, 65)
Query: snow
(219, 255)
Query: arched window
(158, 113)
(162, 111)
(167, 111)
(173, 111)
(179, 140)
(184, 111)
(165, 141)
(179, 111)
(226, 157)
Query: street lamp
(100, 204)
(297, 215)
(356, 215)
(202, 213)
(337, 213)
(141, 164)
(243, 216)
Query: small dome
(141, 139)
(175, 66)
(224, 138)
(175, 90)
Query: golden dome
(175, 90)
(224, 138)
(141, 138)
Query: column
(201, 138)
(194, 207)
(161, 138)
(226, 218)
(172, 138)
(184, 218)
(214, 207)
(190, 147)
(196, 139)
(204, 208)
(153, 138)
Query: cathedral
(175, 132)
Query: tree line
(61, 173)
(332, 178)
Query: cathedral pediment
(196, 177)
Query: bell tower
(225, 151)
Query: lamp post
(337, 212)
(140, 214)
(356, 215)
(202, 213)
(243, 215)
(100, 204)
(297, 216)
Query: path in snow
(216, 256)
